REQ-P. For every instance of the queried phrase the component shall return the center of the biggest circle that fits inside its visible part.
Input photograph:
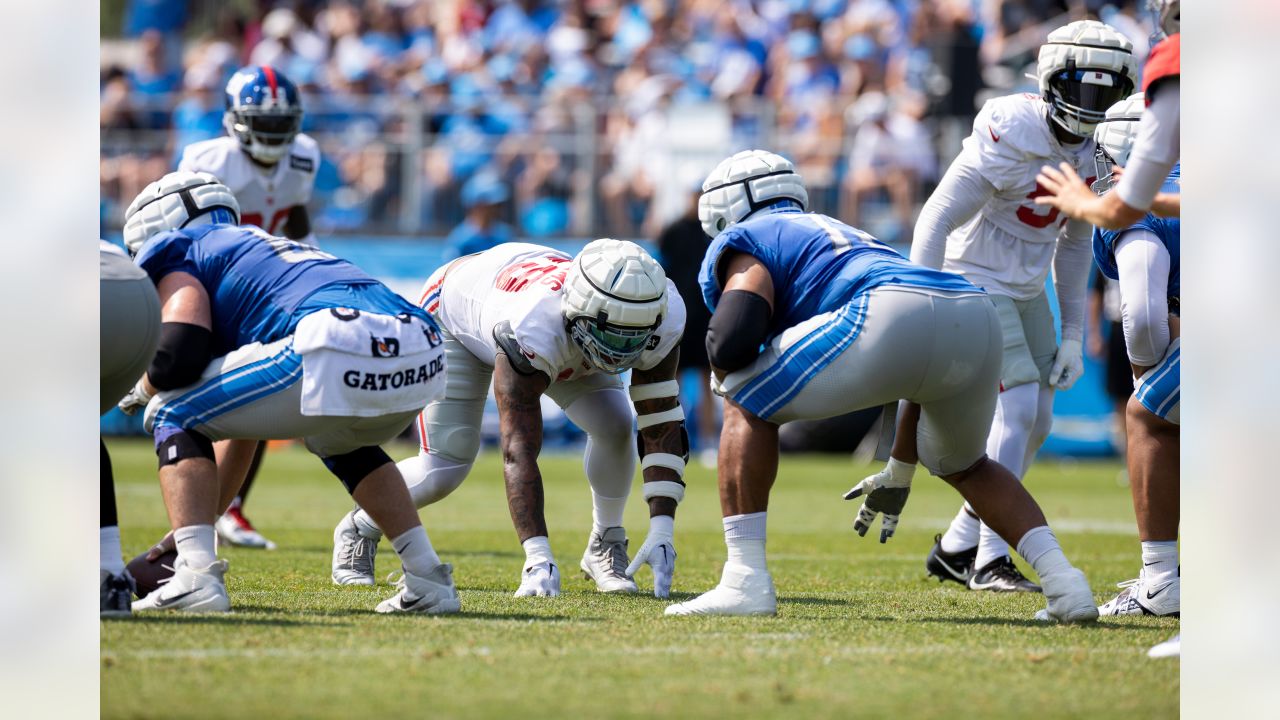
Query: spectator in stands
(891, 154)
(483, 197)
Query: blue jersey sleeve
(731, 239)
(168, 252)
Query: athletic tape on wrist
(664, 488)
(666, 460)
(675, 414)
(653, 391)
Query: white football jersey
(521, 284)
(1008, 247)
(265, 194)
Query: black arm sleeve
(298, 224)
(737, 329)
(181, 355)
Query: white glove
(1068, 365)
(717, 388)
(886, 493)
(138, 397)
(658, 553)
(539, 580)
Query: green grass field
(860, 631)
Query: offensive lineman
(983, 224)
(1145, 259)
(264, 337)
(270, 166)
(846, 323)
(539, 322)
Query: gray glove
(886, 494)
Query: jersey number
(256, 219)
(1028, 215)
(515, 278)
(291, 251)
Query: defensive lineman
(983, 224)
(538, 321)
(264, 337)
(846, 323)
(270, 166)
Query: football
(149, 574)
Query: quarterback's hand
(1064, 189)
(1068, 365)
(658, 553)
(138, 397)
(886, 493)
(166, 544)
(539, 580)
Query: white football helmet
(1115, 137)
(1168, 15)
(178, 200)
(744, 183)
(614, 297)
(1083, 69)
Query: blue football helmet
(264, 112)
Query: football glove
(539, 580)
(658, 553)
(1068, 365)
(138, 397)
(886, 493)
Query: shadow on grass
(1007, 622)
(471, 615)
(235, 617)
(809, 600)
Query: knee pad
(356, 465)
(456, 443)
(174, 445)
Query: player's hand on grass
(886, 494)
(138, 397)
(1068, 365)
(539, 580)
(659, 553)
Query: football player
(270, 166)
(130, 327)
(813, 318)
(1155, 151)
(1145, 259)
(983, 224)
(538, 322)
(264, 337)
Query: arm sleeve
(961, 193)
(1071, 262)
(1143, 263)
(1155, 151)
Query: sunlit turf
(860, 631)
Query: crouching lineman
(845, 324)
(1145, 259)
(263, 337)
(129, 329)
(539, 322)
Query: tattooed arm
(520, 415)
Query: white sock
(991, 547)
(606, 512)
(110, 557)
(537, 550)
(1040, 548)
(745, 537)
(415, 551)
(366, 526)
(1160, 560)
(195, 545)
(963, 533)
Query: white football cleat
(235, 529)
(605, 561)
(115, 593)
(434, 594)
(1170, 648)
(190, 590)
(539, 580)
(353, 554)
(742, 591)
(1069, 596)
(1143, 596)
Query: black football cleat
(956, 567)
(1002, 575)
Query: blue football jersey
(1167, 229)
(817, 264)
(260, 286)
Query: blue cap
(484, 188)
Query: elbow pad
(737, 330)
(181, 355)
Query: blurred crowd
(577, 117)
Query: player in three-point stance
(539, 322)
(1145, 258)
(983, 224)
(263, 337)
(846, 323)
(270, 166)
